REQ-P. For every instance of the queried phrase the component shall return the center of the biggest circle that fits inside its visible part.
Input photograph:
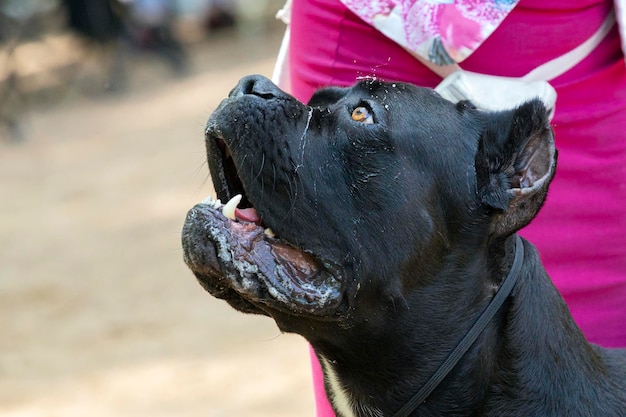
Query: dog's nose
(257, 85)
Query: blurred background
(102, 109)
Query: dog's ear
(515, 163)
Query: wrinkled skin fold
(240, 257)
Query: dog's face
(366, 190)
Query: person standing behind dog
(581, 230)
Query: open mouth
(228, 184)
(227, 244)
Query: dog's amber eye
(362, 114)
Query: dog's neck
(376, 377)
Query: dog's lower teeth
(211, 201)
(229, 208)
(208, 200)
(269, 232)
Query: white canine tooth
(269, 232)
(229, 208)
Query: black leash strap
(471, 336)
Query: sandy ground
(99, 316)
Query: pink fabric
(581, 230)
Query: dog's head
(367, 190)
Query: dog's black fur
(393, 231)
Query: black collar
(485, 317)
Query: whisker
(207, 177)
(256, 177)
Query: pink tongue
(247, 215)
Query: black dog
(393, 216)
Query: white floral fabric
(442, 31)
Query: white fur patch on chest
(344, 405)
